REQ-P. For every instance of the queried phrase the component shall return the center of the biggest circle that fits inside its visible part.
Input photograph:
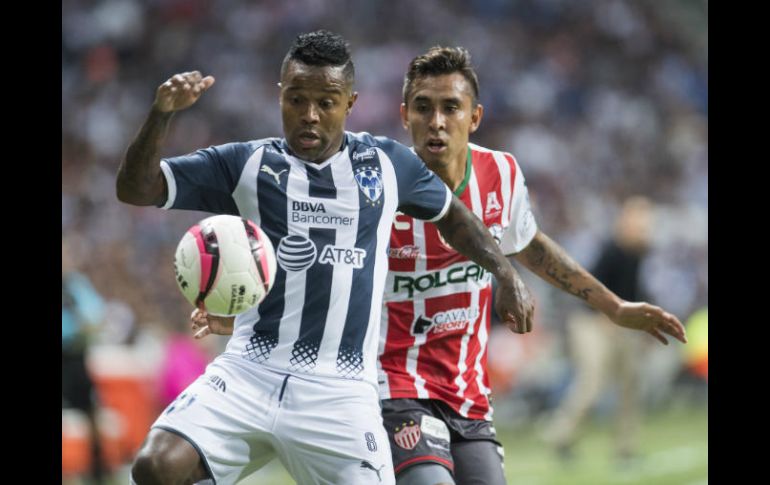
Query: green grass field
(674, 448)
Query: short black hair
(442, 60)
(321, 48)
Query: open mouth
(436, 145)
(308, 139)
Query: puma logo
(269, 171)
(366, 464)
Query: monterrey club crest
(369, 180)
(407, 437)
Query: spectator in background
(81, 313)
(599, 349)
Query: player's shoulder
(270, 145)
(362, 142)
(361, 139)
(481, 152)
(243, 150)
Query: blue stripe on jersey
(350, 355)
(321, 183)
(304, 355)
(271, 195)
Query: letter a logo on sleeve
(493, 205)
(369, 181)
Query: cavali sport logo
(296, 253)
(446, 321)
(369, 181)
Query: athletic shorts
(427, 431)
(239, 416)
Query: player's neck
(453, 174)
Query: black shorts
(427, 430)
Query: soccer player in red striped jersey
(437, 305)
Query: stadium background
(597, 99)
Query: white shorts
(239, 416)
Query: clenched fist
(514, 305)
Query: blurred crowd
(599, 100)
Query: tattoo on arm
(548, 259)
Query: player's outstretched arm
(467, 234)
(140, 180)
(547, 259)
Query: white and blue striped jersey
(330, 224)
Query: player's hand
(181, 91)
(651, 319)
(203, 324)
(515, 306)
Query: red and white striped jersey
(437, 304)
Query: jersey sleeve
(421, 193)
(522, 227)
(205, 179)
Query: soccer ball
(225, 262)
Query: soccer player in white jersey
(298, 379)
(437, 304)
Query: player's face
(314, 104)
(440, 117)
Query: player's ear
(351, 101)
(476, 114)
(404, 119)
